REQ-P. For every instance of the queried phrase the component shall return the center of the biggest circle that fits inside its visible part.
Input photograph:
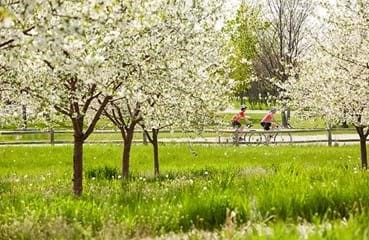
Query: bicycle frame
(269, 136)
(253, 136)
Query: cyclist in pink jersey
(237, 118)
(268, 121)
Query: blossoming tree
(65, 64)
(334, 81)
(16, 24)
(167, 70)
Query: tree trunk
(363, 152)
(364, 159)
(78, 165)
(127, 144)
(155, 133)
(284, 119)
(24, 116)
(284, 114)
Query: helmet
(243, 106)
(273, 109)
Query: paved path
(337, 139)
(298, 137)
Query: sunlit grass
(203, 192)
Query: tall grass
(204, 192)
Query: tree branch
(62, 110)
(49, 64)
(96, 117)
(6, 43)
(92, 97)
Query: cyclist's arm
(273, 121)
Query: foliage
(283, 43)
(80, 56)
(16, 23)
(337, 68)
(243, 45)
(333, 81)
(173, 70)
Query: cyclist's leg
(268, 136)
(240, 133)
(282, 137)
(236, 126)
(267, 127)
(274, 125)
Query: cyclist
(268, 122)
(236, 120)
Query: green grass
(268, 192)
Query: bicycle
(273, 136)
(281, 137)
(241, 137)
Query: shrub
(104, 172)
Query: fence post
(144, 137)
(329, 129)
(52, 136)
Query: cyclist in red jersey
(237, 118)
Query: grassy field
(203, 192)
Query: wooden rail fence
(222, 136)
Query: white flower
(7, 22)
(245, 61)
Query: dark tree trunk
(364, 159)
(285, 113)
(76, 111)
(155, 145)
(288, 112)
(24, 116)
(363, 151)
(284, 119)
(78, 165)
(126, 126)
(127, 144)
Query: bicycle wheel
(237, 140)
(282, 137)
(232, 138)
(255, 138)
(245, 136)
